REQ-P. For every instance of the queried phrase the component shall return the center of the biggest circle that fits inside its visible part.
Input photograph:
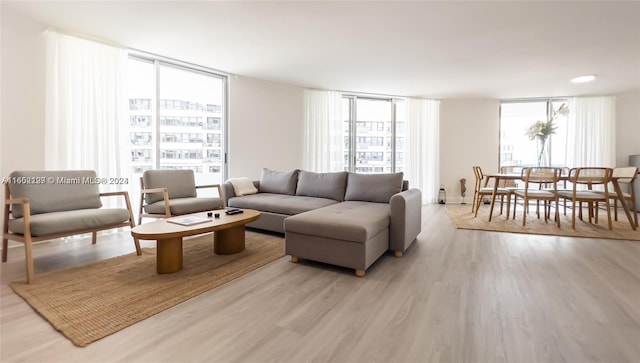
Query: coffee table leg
(229, 241)
(169, 255)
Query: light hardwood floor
(456, 296)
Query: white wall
(23, 94)
(265, 127)
(627, 127)
(468, 137)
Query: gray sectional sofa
(340, 218)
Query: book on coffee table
(188, 220)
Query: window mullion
(156, 65)
(352, 133)
(393, 135)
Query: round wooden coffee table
(228, 236)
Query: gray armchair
(44, 205)
(166, 193)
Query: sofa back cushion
(54, 191)
(179, 184)
(377, 188)
(322, 185)
(278, 182)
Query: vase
(542, 152)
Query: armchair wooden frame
(165, 196)
(27, 239)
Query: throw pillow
(322, 185)
(373, 187)
(279, 182)
(242, 186)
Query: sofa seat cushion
(181, 206)
(279, 203)
(348, 221)
(68, 221)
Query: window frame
(370, 125)
(549, 105)
(158, 61)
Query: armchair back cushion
(179, 184)
(279, 182)
(377, 188)
(322, 185)
(54, 190)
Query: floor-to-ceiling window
(374, 134)
(177, 118)
(516, 146)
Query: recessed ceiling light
(583, 79)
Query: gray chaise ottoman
(351, 234)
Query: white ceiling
(470, 49)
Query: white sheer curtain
(323, 131)
(591, 139)
(422, 147)
(86, 122)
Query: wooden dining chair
(510, 169)
(588, 177)
(510, 184)
(533, 179)
(564, 185)
(625, 176)
(482, 189)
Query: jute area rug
(461, 217)
(90, 302)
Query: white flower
(544, 129)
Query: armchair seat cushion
(181, 206)
(69, 221)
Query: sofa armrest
(228, 192)
(405, 210)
